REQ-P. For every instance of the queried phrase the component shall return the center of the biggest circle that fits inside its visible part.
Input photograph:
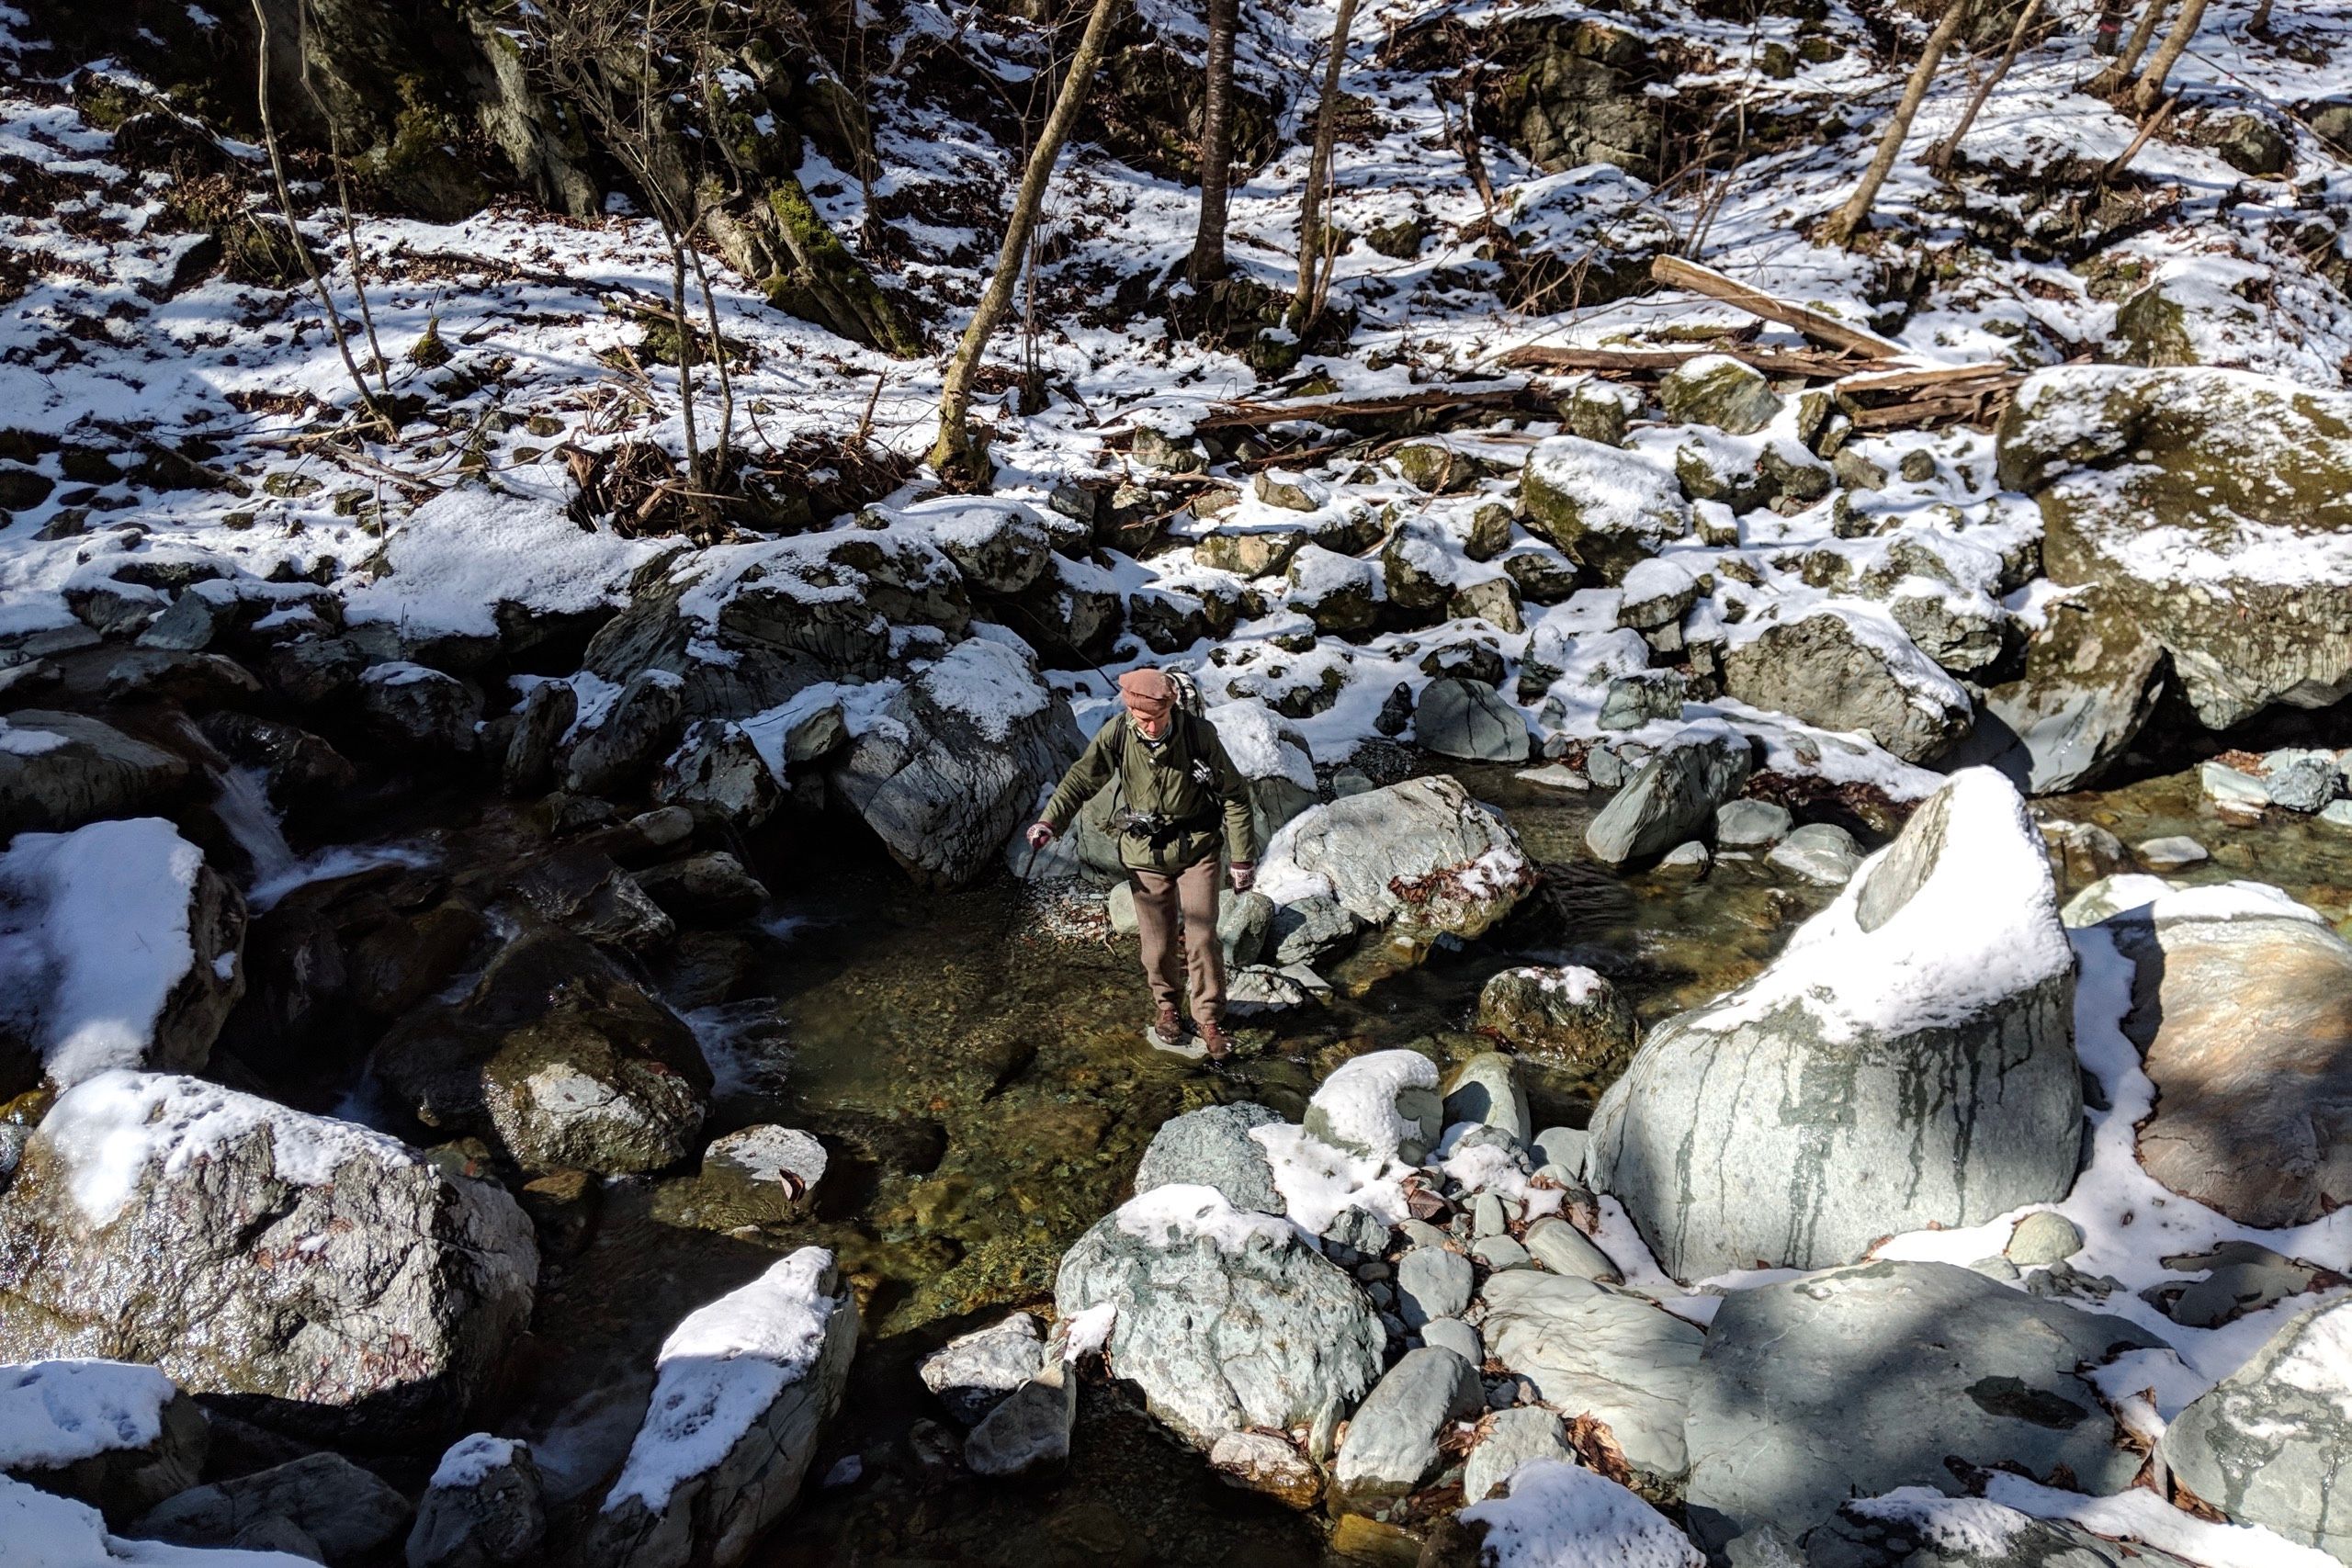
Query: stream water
(974, 1062)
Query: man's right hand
(1040, 835)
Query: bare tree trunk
(2127, 60)
(1216, 145)
(726, 379)
(343, 197)
(1318, 172)
(294, 231)
(953, 454)
(2260, 24)
(2151, 90)
(1852, 218)
(1941, 158)
(684, 329)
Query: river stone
(1716, 389)
(2171, 853)
(1432, 1283)
(958, 761)
(1515, 1437)
(1916, 1528)
(2041, 1239)
(1224, 1319)
(410, 706)
(1485, 1090)
(1001, 545)
(1497, 1253)
(1244, 921)
(711, 888)
(1420, 858)
(640, 728)
(1883, 1375)
(716, 771)
(1564, 1249)
(61, 770)
(1674, 795)
(1593, 1350)
(1259, 1462)
(1383, 1105)
(1027, 1432)
(1452, 1334)
(2179, 492)
(346, 1510)
(1750, 824)
(2242, 1277)
(119, 1438)
(1213, 1149)
(1908, 1060)
(541, 720)
(2235, 794)
(1567, 1148)
(972, 1373)
(2300, 778)
(1487, 1217)
(1606, 508)
(1656, 593)
(763, 1174)
(2268, 1444)
(1309, 930)
(1391, 1447)
(1818, 851)
(1845, 672)
(1567, 1018)
(1457, 717)
(2091, 678)
(484, 1508)
(2242, 1009)
(324, 1276)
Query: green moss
(831, 286)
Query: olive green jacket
(1185, 778)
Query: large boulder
(1850, 670)
(323, 1275)
(1000, 546)
(1606, 508)
(119, 1438)
(555, 1053)
(1674, 797)
(2092, 676)
(1420, 858)
(1885, 1375)
(1457, 717)
(1908, 1060)
(1568, 1018)
(2242, 1009)
(1212, 1147)
(119, 948)
(958, 760)
(744, 1387)
(1381, 1106)
(484, 1507)
(61, 770)
(2267, 1444)
(1270, 753)
(1593, 1350)
(2214, 506)
(321, 1500)
(1226, 1319)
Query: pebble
(2172, 854)
(1564, 1249)
(1500, 1252)
(1452, 1334)
(1421, 1233)
(2300, 778)
(1487, 1217)
(1555, 775)
(2043, 1238)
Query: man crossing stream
(1179, 800)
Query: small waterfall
(244, 808)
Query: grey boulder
(484, 1507)
(1845, 672)
(1516, 1438)
(345, 1510)
(2091, 678)
(1593, 1350)
(1392, 1442)
(2267, 1443)
(1884, 1375)
(1226, 1319)
(61, 770)
(717, 771)
(633, 734)
(1457, 717)
(1908, 1059)
(1432, 1283)
(1568, 1018)
(1421, 858)
(974, 1373)
(1213, 1147)
(1674, 795)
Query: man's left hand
(1242, 874)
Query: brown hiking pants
(1162, 900)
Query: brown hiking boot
(1219, 1044)
(1166, 1029)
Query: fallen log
(1809, 363)
(1823, 328)
(1247, 415)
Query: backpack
(1188, 693)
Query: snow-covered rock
(1226, 1319)
(1674, 795)
(1908, 1059)
(972, 1373)
(717, 771)
(328, 1275)
(743, 1388)
(1849, 670)
(639, 727)
(1000, 546)
(61, 770)
(2266, 1444)
(1593, 1350)
(1606, 507)
(483, 1508)
(118, 1437)
(2211, 506)
(1420, 858)
(1568, 1018)
(414, 707)
(119, 948)
(1383, 1105)
(1514, 1438)
(47, 1531)
(1028, 1431)
(1716, 389)
(2091, 678)
(1559, 1514)
(2242, 1009)
(1863, 1380)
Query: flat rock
(972, 1373)
(1593, 1350)
(1391, 1446)
(1884, 1375)
(1750, 824)
(61, 770)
